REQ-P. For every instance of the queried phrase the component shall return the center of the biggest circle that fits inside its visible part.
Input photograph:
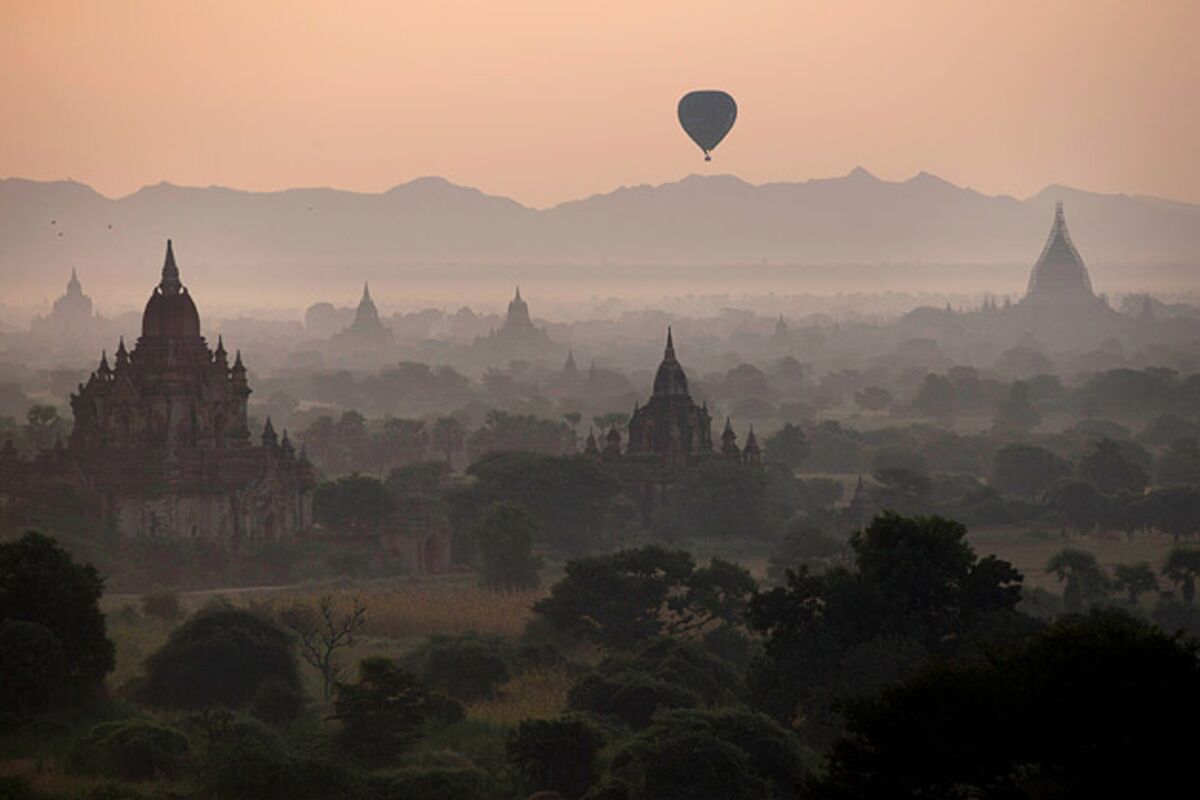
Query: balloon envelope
(707, 116)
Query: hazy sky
(547, 101)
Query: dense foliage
(220, 657)
(40, 584)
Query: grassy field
(1029, 550)
(401, 615)
(403, 612)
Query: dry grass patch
(537, 694)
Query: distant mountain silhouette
(857, 218)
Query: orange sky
(547, 101)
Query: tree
(788, 446)
(1134, 580)
(730, 754)
(661, 673)
(503, 432)
(1026, 470)
(904, 490)
(556, 755)
(467, 668)
(130, 750)
(322, 633)
(40, 584)
(935, 398)
(1109, 468)
(448, 436)
(873, 398)
(381, 715)
(820, 493)
(1179, 464)
(404, 441)
(720, 499)
(423, 478)
(919, 589)
(1167, 429)
(1182, 568)
(1174, 510)
(573, 500)
(1078, 502)
(622, 599)
(505, 536)
(1085, 581)
(613, 419)
(353, 504)
(32, 667)
(1016, 412)
(220, 657)
(1053, 717)
(43, 427)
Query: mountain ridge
(698, 220)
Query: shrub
(161, 605)
(439, 783)
(726, 754)
(277, 701)
(132, 750)
(381, 715)
(32, 666)
(40, 583)
(557, 755)
(665, 673)
(16, 787)
(248, 761)
(219, 657)
(631, 696)
(466, 668)
(505, 535)
(114, 791)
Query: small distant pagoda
(517, 337)
(71, 314)
(367, 331)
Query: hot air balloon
(707, 116)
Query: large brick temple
(161, 435)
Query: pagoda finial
(670, 351)
(518, 297)
(268, 435)
(170, 272)
(366, 291)
(104, 370)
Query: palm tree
(1182, 568)
(1084, 578)
(1134, 580)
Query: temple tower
(1059, 278)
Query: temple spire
(518, 296)
(366, 298)
(670, 351)
(170, 273)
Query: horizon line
(857, 171)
